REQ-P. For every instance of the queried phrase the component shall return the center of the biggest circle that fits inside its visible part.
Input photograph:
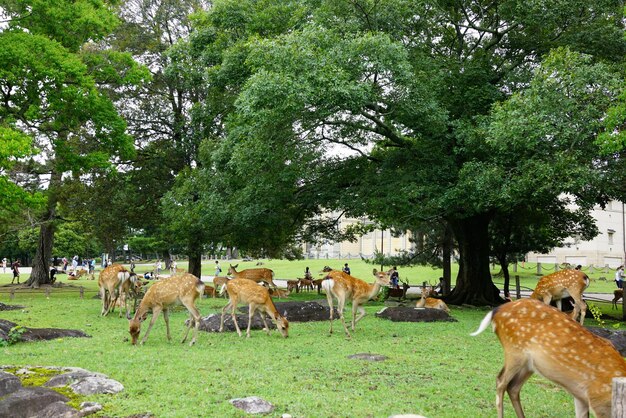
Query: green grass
(434, 369)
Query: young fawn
(562, 284)
(433, 303)
(258, 299)
(538, 338)
(179, 289)
(343, 287)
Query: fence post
(556, 266)
(47, 292)
(82, 292)
(518, 291)
(539, 269)
(515, 267)
(618, 406)
(606, 268)
(591, 269)
(12, 295)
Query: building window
(610, 233)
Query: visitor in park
(132, 266)
(578, 267)
(148, 275)
(395, 278)
(53, 272)
(157, 267)
(92, 266)
(307, 274)
(4, 265)
(65, 262)
(15, 267)
(619, 277)
(346, 269)
(173, 267)
(218, 269)
(74, 262)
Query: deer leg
(340, 306)
(155, 315)
(361, 311)
(223, 313)
(194, 318)
(515, 386)
(579, 308)
(329, 298)
(166, 318)
(234, 316)
(267, 328)
(251, 311)
(582, 409)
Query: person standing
(307, 274)
(15, 267)
(619, 277)
(395, 278)
(346, 269)
(157, 267)
(74, 263)
(218, 269)
(4, 265)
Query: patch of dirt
(411, 314)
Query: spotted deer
(562, 284)
(344, 287)
(538, 338)
(181, 289)
(258, 299)
(433, 303)
(112, 282)
(258, 275)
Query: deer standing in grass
(257, 275)
(114, 280)
(617, 295)
(343, 287)
(258, 299)
(562, 284)
(433, 303)
(181, 289)
(538, 338)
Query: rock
(72, 376)
(58, 409)
(88, 408)
(253, 405)
(4, 307)
(211, 323)
(92, 385)
(8, 384)
(617, 338)
(305, 311)
(37, 334)
(368, 357)
(29, 402)
(412, 314)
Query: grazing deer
(179, 289)
(433, 303)
(279, 293)
(343, 287)
(257, 275)
(617, 295)
(258, 299)
(318, 284)
(561, 284)
(538, 338)
(305, 284)
(113, 280)
(293, 285)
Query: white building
(608, 248)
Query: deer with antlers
(258, 275)
(562, 284)
(181, 289)
(258, 299)
(113, 281)
(538, 338)
(428, 302)
(344, 287)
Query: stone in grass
(368, 357)
(88, 408)
(8, 383)
(29, 402)
(84, 382)
(253, 405)
(411, 314)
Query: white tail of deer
(538, 338)
(258, 299)
(257, 275)
(433, 303)
(179, 289)
(343, 287)
(562, 284)
(113, 281)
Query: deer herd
(535, 336)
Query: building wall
(607, 248)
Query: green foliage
(13, 337)
(597, 314)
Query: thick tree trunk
(474, 285)
(447, 255)
(195, 263)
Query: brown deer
(258, 299)
(617, 295)
(343, 287)
(305, 284)
(219, 281)
(433, 303)
(538, 338)
(257, 275)
(112, 281)
(279, 293)
(179, 289)
(561, 284)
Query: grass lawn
(433, 369)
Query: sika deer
(538, 338)
(433, 303)
(257, 275)
(112, 281)
(617, 295)
(179, 289)
(561, 284)
(258, 299)
(343, 287)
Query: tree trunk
(195, 263)
(504, 265)
(447, 255)
(474, 285)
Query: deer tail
(327, 284)
(484, 324)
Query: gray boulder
(8, 383)
(29, 402)
(253, 405)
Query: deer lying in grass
(257, 275)
(258, 299)
(343, 287)
(112, 281)
(538, 338)
(433, 303)
(179, 289)
(617, 295)
(279, 293)
(562, 284)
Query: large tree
(424, 96)
(49, 93)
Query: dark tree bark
(474, 285)
(447, 263)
